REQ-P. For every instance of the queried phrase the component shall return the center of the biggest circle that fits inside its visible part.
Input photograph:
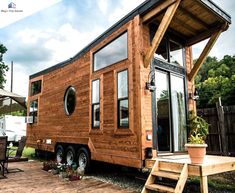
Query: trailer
(124, 98)
(14, 127)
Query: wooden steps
(179, 176)
(157, 187)
(164, 174)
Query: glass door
(163, 111)
(170, 111)
(178, 112)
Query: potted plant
(197, 136)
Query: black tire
(84, 158)
(70, 155)
(59, 154)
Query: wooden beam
(206, 34)
(157, 10)
(175, 35)
(166, 20)
(184, 25)
(203, 55)
(194, 17)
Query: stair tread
(165, 174)
(157, 187)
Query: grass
(224, 181)
(28, 152)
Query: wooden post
(220, 112)
(166, 20)
(204, 184)
(203, 55)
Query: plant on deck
(198, 129)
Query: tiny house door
(170, 111)
(163, 111)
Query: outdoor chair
(3, 154)
(19, 151)
(17, 156)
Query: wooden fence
(221, 139)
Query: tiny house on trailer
(124, 98)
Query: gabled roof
(142, 9)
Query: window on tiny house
(34, 110)
(36, 87)
(176, 54)
(111, 53)
(123, 103)
(96, 103)
(171, 52)
(162, 51)
(70, 100)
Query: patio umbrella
(15, 97)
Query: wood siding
(124, 146)
(108, 143)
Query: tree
(216, 79)
(3, 67)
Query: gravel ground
(134, 180)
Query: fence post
(220, 112)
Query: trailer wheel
(59, 154)
(83, 158)
(70, 155)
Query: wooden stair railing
(151, 184)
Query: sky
(42, 33)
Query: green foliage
(18, 113)
(3, 67)
(198, 129)
(216, 79)
(27, 152)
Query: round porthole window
(70, 100)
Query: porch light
(194, 96)
(150, 86)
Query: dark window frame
(31, 88)
(65, 102)
(95, 104)
(93, 55)
(33, 112)
(123, 99)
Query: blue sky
(46, 32)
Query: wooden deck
(212, 165)
(33, 179)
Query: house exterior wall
(124, 146)
(108, 143)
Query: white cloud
(103, 6)
(28, 8)
(123, 9)
(67, 41)
(42, 48)
(31, 36)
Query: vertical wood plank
(220, 112)
(203, 184)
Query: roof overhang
(193, 21)
(188, 21)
